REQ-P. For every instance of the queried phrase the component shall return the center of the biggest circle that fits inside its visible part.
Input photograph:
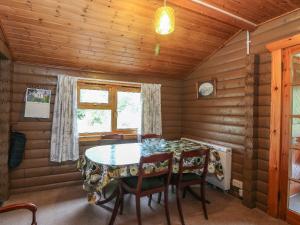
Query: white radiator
(225, 154)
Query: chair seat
(185, 177)
(147, 184)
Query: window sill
(91, 138)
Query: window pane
(295, 164)
(296, 100)
(294, 196)
(295, 130)
(93, 96)
(92, 120)
(129, 110)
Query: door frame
(275, 150)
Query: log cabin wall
(223, 119)
(5, 97)
(274, 30)
(220, 119)
(36, 172)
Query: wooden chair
(185, 180)
(148, 136)
(31, 207)
(146, 184)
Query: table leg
(115, 195)
(110, 198)
(117, 206)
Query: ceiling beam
(215, 13)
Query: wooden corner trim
(275, 133)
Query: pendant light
(164, 20)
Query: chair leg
(202, 189)
(138, 209)
(166, 203)
(121, 204)
(159, 198)
(178, 199)
(34, 219)
(149, 200)
(184, 193)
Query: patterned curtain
(151, 109)
(64, 139)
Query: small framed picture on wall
(206, 88)
(37, 103)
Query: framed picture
(206, 88)
(37, 103)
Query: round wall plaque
(206, 89)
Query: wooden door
(289, 202)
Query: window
(105, 108)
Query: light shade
(164, 20)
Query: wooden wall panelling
(5, 97)
(281, 51)
(256, 11)
(124, 41)
(221, 119)
(228, 67)
(250, 155)
(36, 172)
(275, 30)
(214, 12)
(5, 52)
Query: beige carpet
(68, 206)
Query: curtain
(64, 139)
(151, 109)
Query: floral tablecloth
(96, 175)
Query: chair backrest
(112, 137)
(156, 159)
(198, 153)
(29, 206)
(147, 136)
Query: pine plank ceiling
(118, 36)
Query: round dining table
(101, 165)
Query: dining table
(104, 164)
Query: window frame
(111, 105)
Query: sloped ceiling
(256, 11)
(118, 36)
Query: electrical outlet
(241, 193)
(237, 183)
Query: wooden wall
(36, 172)
(274, 30)
(221, 119)
(5, 94)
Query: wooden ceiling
(257, 11)
(118, 36)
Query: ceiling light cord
(165, 3)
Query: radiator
(219, 180)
